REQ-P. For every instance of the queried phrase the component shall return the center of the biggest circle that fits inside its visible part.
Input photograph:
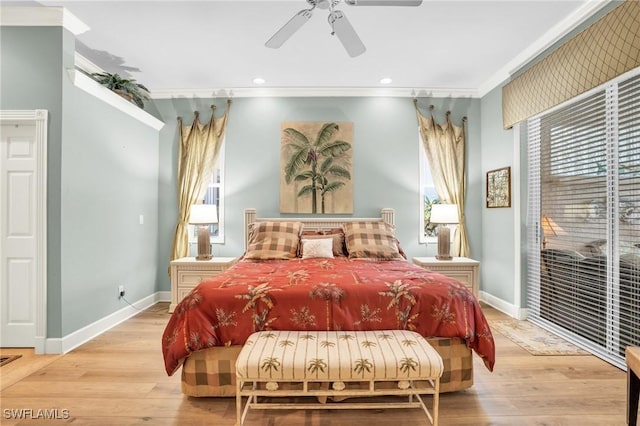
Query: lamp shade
(444, 213)
(203, 214)
(550, 227)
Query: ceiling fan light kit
(340, 25)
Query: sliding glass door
(584, 219)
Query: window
(428, 197)
(584, 203)
(214, 195)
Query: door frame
(38, 117)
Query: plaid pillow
(273, 240)
(371, 240)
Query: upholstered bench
(338, 364)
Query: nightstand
(187, 272)
(463, 269)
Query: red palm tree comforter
(323, 294)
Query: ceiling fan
(338, 21)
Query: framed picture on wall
(316, 160)
(499, 188)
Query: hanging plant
(127, 88)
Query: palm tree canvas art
(316, 167)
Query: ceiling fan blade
(288, 29)
(383, 2)
(345, 32)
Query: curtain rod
(212, 106)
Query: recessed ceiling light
(259, 80)
(386, 80)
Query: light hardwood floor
(118, 379)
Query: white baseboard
(164, 296)
(83, 335)
(504, 306)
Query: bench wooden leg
(633, 393)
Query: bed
(321, 274)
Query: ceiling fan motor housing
(324, 4)
(339, 23)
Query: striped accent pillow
(371, 240)
(273, 240)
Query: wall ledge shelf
(89, 85)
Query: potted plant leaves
(128, 88)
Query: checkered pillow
(371, 240)
(273, 240)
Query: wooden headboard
(314, 223)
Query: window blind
(629, 209)
(584, 219)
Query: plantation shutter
(584, 219)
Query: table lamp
(549, 229)
(444, 214)
(203, 215)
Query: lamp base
(444, 243)
(204, 243)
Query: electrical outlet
(120, 291)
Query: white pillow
(321, 247)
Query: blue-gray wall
(109, 178)
(498, 250)
(102, 173)
(385, 162)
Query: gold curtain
(445, 148)
(197, 155)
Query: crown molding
(86, 65)
(89, 67)
(29, 16)
(89, 85)
(552, 36)
(310, 92)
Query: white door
(18, 230)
